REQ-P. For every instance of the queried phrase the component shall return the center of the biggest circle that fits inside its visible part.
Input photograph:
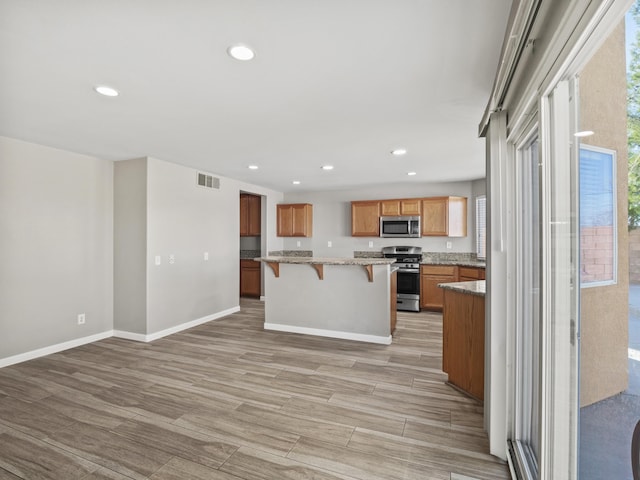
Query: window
(598, 226)
(481, 226)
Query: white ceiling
(338, 82)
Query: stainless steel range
(408, 259)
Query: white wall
(130, 246)
(182, 220)
(332, 219)
(56, 246)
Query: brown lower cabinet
(463, 341)
(250, 278)
(432, 297)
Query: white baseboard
(358, 337)
(58, 347)
(140, 337)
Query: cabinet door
(301, 220)
(434, 216)
(390, 207)
(365, 219)
(244, 215)
(457, 216)
(249, 278)
(254, 216)
(285, 220)
(431, 296)
(295, 220)
(410, 206)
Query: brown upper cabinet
(411, 206)
(249, 215)
(365, 219)
(295, 220)
(440, 216)
(444, 216)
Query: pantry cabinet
(249, 278)
(295, 220)
(249, 215)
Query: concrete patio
(606, 427)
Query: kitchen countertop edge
(477, 287)
(327, 260)
(455, 263)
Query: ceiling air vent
(208, 181)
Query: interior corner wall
(130, 246)
(56, 246)
(604, 310)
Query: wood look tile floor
(229, 401)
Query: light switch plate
(206, 255)
(158, 259)
(329, 243)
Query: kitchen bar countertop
(327, 260)
(473, 288)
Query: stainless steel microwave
(400, 227)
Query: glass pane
(529, 319)
(597, 216)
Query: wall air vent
(208, 181)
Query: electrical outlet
(449, 245)
(172, 259)
(298, 243)
(206, 255)
(81, 319)
(370, 244)
(329, 243)
(158, 259)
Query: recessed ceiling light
(241, 52)
(296, 182)
(411, 174)
(106, 91)
(585, 133)
(252, 167)
(327, 167)
(399, 151)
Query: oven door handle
(409, 270)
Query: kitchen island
(349, 298)
(463, 336)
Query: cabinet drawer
(469, 272)
(249, 264)
(438, 270)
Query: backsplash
(291, 253)
(245, 254)
(427, 256)
(366, 254)
(449, 257)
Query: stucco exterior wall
(604, 310)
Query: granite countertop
(473, 288)
(458, 263)
(328, 260)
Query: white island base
(339, 298)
